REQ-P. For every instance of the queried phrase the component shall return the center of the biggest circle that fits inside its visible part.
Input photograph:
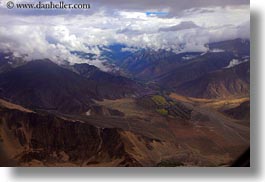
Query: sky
(177, 25)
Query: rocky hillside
(224, 83)
(42, 84)
(110, 86)
(241, 112)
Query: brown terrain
(159, 109)
(142, 136)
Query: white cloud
(54, 37)
(217, 50)
(129, 49)
(235, 62)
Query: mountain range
(161, 108)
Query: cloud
(181, 26)
(34, 45)
(174, 6)
(129, 49)
(217, 50)
(41, 34)
(235, 62)
(128, 31)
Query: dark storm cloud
(159, 4)
(174, 6)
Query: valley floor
(127, 132)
